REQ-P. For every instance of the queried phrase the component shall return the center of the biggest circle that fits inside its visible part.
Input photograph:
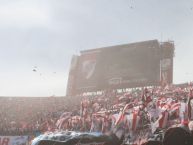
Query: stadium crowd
(142, 111)
(28, 115)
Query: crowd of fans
(29, 115)
(98, 113)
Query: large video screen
(130, 65)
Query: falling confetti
(34, 70)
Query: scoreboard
(122, 66)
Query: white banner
(13, 140)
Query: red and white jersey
(184, 113)
(160, 102)
(114, 119)
(175, 108)
(161, 122)
(132, 121)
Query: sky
(42, 35)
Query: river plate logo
(88, 68)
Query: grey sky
(46, 33)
